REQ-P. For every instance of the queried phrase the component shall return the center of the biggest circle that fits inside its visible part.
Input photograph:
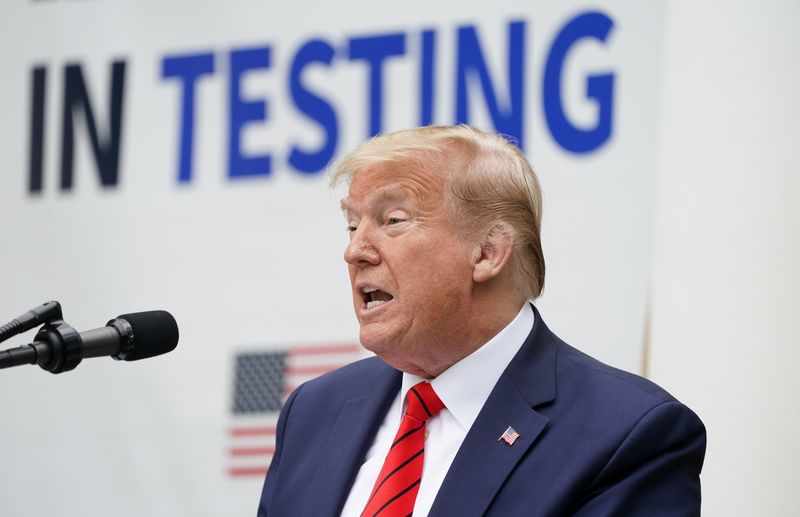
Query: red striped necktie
(398, 483)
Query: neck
(484, 321)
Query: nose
(361, 251)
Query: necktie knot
(423, 403)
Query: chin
(379, 343)
(372, 344)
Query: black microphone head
(152, 333)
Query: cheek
(356, 297)
(444, 278)
(351, 271)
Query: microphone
(58, 347)
(33, 318)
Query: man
(472, 406)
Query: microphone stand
(46, 312)
(57, 347)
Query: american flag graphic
(261, 383)
(509, 436)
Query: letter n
(104, 147)
(508, 119)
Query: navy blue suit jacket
(594, 440)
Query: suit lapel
(483, 463)
(349, 440)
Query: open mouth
(374, 297)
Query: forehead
(396, 181)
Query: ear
(493, 253)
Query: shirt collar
(465, 386)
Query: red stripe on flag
(312, 370)
(247, 471)
(252, 431)
(252, 451)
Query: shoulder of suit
(598, 375)
(349, 381)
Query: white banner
(171, 155)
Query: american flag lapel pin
(509, 436)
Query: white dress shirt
(464, 389)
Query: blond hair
(490, 184)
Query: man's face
(410, 272)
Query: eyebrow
(382, 195)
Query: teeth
(374, 303)
(368, 290)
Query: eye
(396, 217)
(351, 228)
